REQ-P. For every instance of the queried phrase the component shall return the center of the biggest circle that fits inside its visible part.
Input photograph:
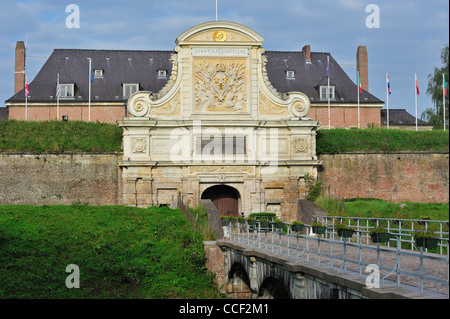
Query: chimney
(307, 51)
(362, 66)
(19, 76)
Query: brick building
(117, 74)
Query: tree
(435, 116)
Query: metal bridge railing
(327, 250)
(403, 228)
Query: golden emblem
(220, 36)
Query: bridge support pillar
(299, 287)
(253, 273)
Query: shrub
(315, 188)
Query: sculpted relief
(220, 85)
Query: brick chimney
(307, 51)
(362, 65)
(19, 76)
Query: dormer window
(290, 75)
(162, 73)
(324, 93)
(66, 90)
(98, 73)
(129, 89)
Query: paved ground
(368, 254)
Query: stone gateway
(219, 130)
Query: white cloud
(352, 4)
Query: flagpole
(57, 98)
(443, 96)
(387, 99)
(415, 90)
(25, 75)
(26, 98)
(216, 10)
(328, 93)
(90, 66)
(359, 125)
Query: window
(323, 92)
(162, 73)
(66, 90)
(98, 73)
(221, 145)
(290, 74)
(129, 89)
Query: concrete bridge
(255, 271)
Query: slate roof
(124, 66)
(3, 113)
(310, 76)
(400, 117)
(118, 67)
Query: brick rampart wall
(59, 179)
(96, 179)
(396, 177)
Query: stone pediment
(218, 71)
(219, 31)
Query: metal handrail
(260, 239)
(393, 226)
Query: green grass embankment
(122, 252)
(58, 137)
(373, 208)
(73, 136)
(380, 140)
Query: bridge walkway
(426, 271)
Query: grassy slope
(55, 136)
(52, 136)
(340, 140)
(122, 252)
(360, 207)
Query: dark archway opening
(238, 284)
(225, 198)
(273, 288)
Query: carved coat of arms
(220, 86)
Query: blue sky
(409, 39)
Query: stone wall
(96, 178)
(59, 179)
(404, 176)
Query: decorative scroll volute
(139, 104)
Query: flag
(417, 87)
(445, 86)
(388, 84)
(359, 84)
(58, 89)
(92, 74)
(328, 67)
(27, 92)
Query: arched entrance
(225, 198)
(238, 284)
(272, 288)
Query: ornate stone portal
(219, 121)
